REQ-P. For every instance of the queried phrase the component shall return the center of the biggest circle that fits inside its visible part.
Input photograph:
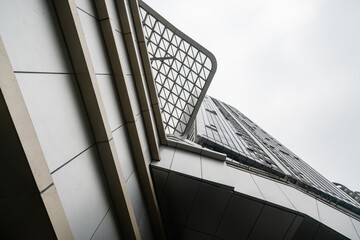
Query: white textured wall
(39, 57)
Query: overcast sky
(293, 67)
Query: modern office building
(223, 128)
(98, 101)
(354, 194)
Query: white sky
(293, 67)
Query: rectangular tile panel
(57, 112)
(186, 163)
(302, 202)
(108, 228)
(83, 192)
(32, 36)
(271, 192)
(137, 199)
(95, 43)
(111, 100)
(337, 220)
(123, 148)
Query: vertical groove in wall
(134, 6)
(128, 106)
(136, 66)
(85, 75)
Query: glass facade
(223, 128)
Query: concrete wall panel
(87, 6)
(111, 100)
(133, 94)
(271, 192)
(114, 17)
(55, 107)
(123, 149)
(142, 133)
(123, 55)
(95, 43)
(32, 36)
(186, 162)
(336, 220)
(136, 197)
(83, 193)
(108, 229)
(301, 201)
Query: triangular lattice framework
(183, 70)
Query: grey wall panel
(142, 133)
(153, 122)
(108, 229)
(217, 171)
(95, 43)
(136, 197)
(131, 23)
(147, 156)
(166, 155)
(87, 6)
(114, 17)
(271, 192)
(123, 149)
(148, 99)
(111, 100)
(137, 52)
(59, 118)
(32, 36)
(187, 163)
(337, 220)
(83, 193)
(356, 224)
(123, 55)
(130, 82)
(301, 201)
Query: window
(211, 111)
(283, 152)
(212, 127)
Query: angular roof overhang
(203, 197)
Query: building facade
(223, 128)
(355, 195)
(97, 99)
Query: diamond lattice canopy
(182, 71)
